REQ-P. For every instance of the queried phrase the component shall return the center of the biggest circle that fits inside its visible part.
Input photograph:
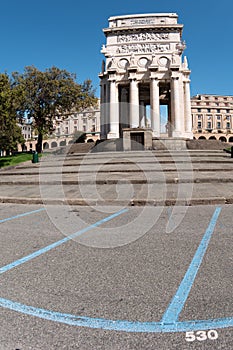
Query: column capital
(132, 69)
(174, 75)
(175, 78)
(112, 70)
(187, 72)
(132, 75)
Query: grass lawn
(14, 160)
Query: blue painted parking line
(117, 325)
(21, 215)
(58, 243)
(174, 309)
(168, 324)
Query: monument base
(113, 135)
(140, 139)
(169, 143)
(137, 139)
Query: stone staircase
(122, 178)
(207, 144)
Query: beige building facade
(143, 69)
(64, 129)
(26, 128)
(87, 121)
(212, 117)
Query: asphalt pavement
(117, 251)
(134, 278)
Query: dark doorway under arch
(45, 145)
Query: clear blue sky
(68, 34)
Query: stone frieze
(143, 48)
(142, 37)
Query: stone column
(114, 111)
(142, 114)
(187, 108)
(124, 109)
(103, 118)
(134, 104)
(145, 114)
(169, 121)
(176, 119)
(155, 107)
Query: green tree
(45, 95)
(10, 132)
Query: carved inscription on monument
(138, 21)
(143, 37)
(143, 48)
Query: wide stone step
(132, 178)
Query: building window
(199, 116)
(84, 128)
(67, 130)
(218, 125)
(218, 111)
(228, 117)
(228, 125)
(84, 120)
(75, 129)
(209, 117)
(199, 110)
(199, 125)
(208, 110)
(75, 121)
(209, 125)
(218, 117)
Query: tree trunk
(39, 143)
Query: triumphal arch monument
(144, 68)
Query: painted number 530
(201, 335)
